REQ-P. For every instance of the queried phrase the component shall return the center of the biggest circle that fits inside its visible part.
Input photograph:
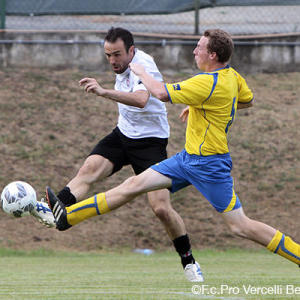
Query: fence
(186, 19)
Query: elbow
(162, 95)
(141, 104)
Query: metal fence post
(2, 13)
(196, 31)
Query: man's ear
(213, 56)
(131, 49)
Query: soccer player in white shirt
(140, 139)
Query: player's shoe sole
(58, 210)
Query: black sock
(66, 197)
(183, 247)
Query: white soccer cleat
(193, 272)
(44, 214)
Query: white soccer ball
(18, 198)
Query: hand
(137, 69)
(184, 114)
(92, 86)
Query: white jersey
(150, 121)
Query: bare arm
(137, 98)
(155, 87)
(241, 105)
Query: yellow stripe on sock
(102, 204)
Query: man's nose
(112, 60)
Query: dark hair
(120, 33)
(221, 43)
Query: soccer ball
(18, 198)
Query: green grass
(126, 275)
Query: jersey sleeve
(138, 85)
(192, 91)
(245, 94)
(150, 68)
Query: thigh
(111, 148)
(173, 168)
(150, 180)
(97, 167)
(145, 182)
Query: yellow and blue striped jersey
(212, 98)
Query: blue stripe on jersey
(168, 94)
(204, 138)
(212, 90)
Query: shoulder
(143, 58)
(202, 78)
(236, 73)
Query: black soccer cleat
(58, 209)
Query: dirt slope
(48, 126)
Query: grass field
(126, 275)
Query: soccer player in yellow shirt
(213, 97)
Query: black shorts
(139, 153)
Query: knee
(241, 229)
(161, 212)
(161, 208)
(88, 169)
(237, 230)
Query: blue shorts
(209, 174)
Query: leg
(162, 208)
(95, 167)
(247, 228)
(147, 181)
(173, 223)
(106, 157)
(263, 234)
(102, 203)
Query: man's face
(117, 55)
(202, 56)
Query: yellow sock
(87, 208)
(285, 246)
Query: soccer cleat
(58, 210)
(193, 272)
(43, 213)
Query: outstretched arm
(137, 98)
(156, 88)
